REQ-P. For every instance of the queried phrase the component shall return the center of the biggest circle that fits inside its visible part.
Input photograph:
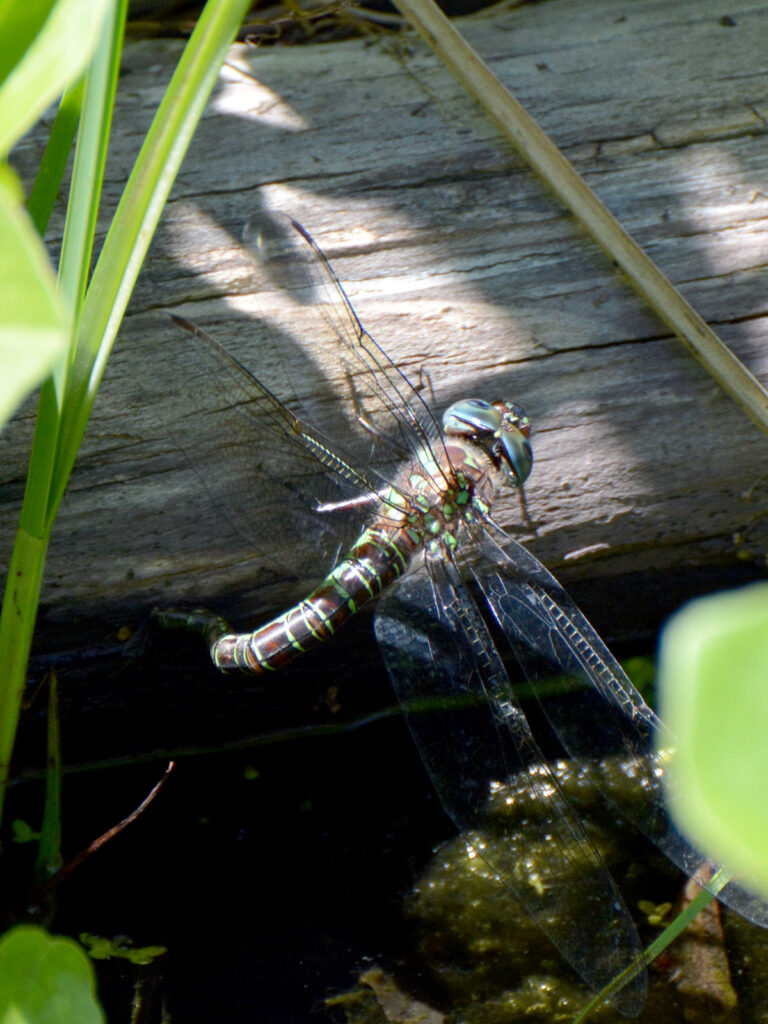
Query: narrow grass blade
(659, 944)
(49, 849)
(67, 398)
(45, 190)
(136, 218)
(17, 620)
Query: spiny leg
(532, 526)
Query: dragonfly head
(501, 429)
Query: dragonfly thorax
(436, 497)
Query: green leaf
(120, 948)
(45, 980)
(23, 831)
(50, 173)
(135, 220)
(55, 53)
(713, 688)
(20, 21)
(33, 329)
(67, 396)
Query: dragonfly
(408, 499)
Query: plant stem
(717, 882)
(67, 397)
(17, 622)
(519, 128)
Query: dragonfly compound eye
(516, 455)
(471, 418)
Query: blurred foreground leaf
(713, 689)
(45, 980)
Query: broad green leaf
(56, 56)
(20, 21)
(45, 980)
(713, 688)
(33, 328)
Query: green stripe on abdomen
(375, 560)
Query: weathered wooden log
(649, 482)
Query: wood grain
(461, 264)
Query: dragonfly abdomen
(377, 558)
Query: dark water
(294, 856)
(273, 875)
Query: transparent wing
(266, 472)
(601, 712)
(392, 417)
(493, 779)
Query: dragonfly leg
(533, 527)
(425, 383)
(364, 421)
